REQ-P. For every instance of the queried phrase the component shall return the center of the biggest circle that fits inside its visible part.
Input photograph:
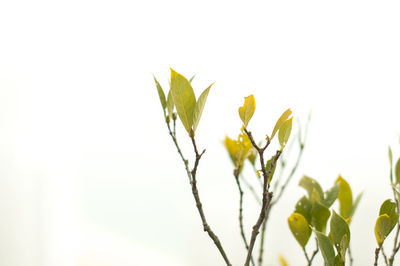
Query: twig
(384, 256)
(262, 240)
(267, 196)
(396, 246)
(251, 188)
(377, 250)
(310, 259)
(350, 256)
(196, 196)
(236, 175)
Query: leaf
(390, 157)
(282, 261)
(355, 203)
(280, 121)
(233, 149)
(304, 207)
(340, 229)
(389, 207)
(325, 245)
(331, 195)
(319, 216)
(284, 132)
(170, 104)
(161, 94)
(184, 99)
(345, 197)
(383, 227)
(192, 78)
(397, 171)
(268, 166)
(198, 110)
(309, 184)
(247, 110)
(300, 228)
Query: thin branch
(236, 175)
(196, 196)
(262, 240)
(350, 256)
(384, 256)
(251, 188)
(267, 196)
(396, 246)
(310, 259)
(377, 250)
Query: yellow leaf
(283, 261)
(247, 110)
(280, 121)
(284, 132)
(300, 228)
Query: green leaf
(170, 104)
(338, 261)
(390, 157)
(304, 207)
(397, 171)
(300, 228)
(339, 230)
(383, 227)
(389, 207)
(325, 245)
(331, 195)
(247, 110)
(355, 203)
(161, 94)
(199, 107)
(309, 184)
(184, 99)
(345, 197)
(268, 166)
(319, 216)
(280, 121)
(284, 132)
(192, 78)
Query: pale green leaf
(268, 166)
(184, 99)
(383, 227)
(325, 245)
(170, 104)
(319, 216)
(331, 195)
(192, 78)
(199, 107)
(355, 203)
(309, 184)
(161, 94)
(345, 197)
(300, 228)
(390, 157)
(247, 110)
(280, 121)
(397, 171)
(284, 132)
(339, 229)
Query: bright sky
(85, 157)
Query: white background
(88, 173)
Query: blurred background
(88, 173)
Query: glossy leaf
(383, 227)
(170, 104)
(345, 197)
(198, 110)
(331, 195)
(284, 132)
(397, 171)
(184, 99)
(161, 94)
(247, 110)
(281, 120)
(304, 207)
(300, 228)
(319, 216)
(325, 245)
(389, 207)
(340, 233)
(309, 184)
